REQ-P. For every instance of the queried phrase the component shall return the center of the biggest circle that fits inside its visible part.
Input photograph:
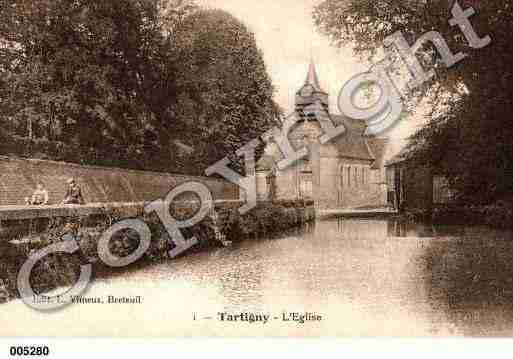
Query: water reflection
(250, 272)
(365, 277)
(401, 228)
(360, 229)
(457, 279)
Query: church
(346, 173)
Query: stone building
(347, 172)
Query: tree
(469, 136)
(131, 83)
(92, 73)
(224, 94)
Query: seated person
(40, 196)
(4, 293)
(73, 193)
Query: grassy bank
(471, 280)
(498, 215)
(58, 270)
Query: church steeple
(311, 78)
(311, 92)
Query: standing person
(40, 196)
(73, 193)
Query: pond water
(362, 277)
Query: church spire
(311, 78)
(311, 92)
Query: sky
(286, 34)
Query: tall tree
(469, 136)
(132, 82)
(88, 72)
(225, 96)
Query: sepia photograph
(271, 168)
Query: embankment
(498, 215)
(87, 226)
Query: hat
(71, 180)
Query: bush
(60, 269)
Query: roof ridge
(312, 78)
(371, 152)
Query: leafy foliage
(224, 91)
(469, 133)
(86, 72)
(126, 82)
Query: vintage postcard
(271, 168)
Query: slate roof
(352, 143)
(312, 78)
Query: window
(305, 180)
(356, 176)
(305, 186)
(348, 176)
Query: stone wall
(329, 190)
(287, 184)
(18, 179)
(335, 191)
(262, 186)
(263, 221)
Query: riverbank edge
(498, 215)
(267, 219)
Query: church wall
(286, 184)
(331, 193)
(287, 180)
(380, 181)
(334, 191)
(261, 185)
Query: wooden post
(315, 163)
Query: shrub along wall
(57, 270)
